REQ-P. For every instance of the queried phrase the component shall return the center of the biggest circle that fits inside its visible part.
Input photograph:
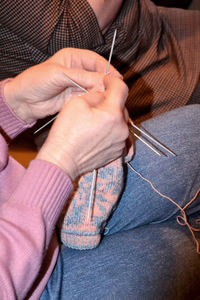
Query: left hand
(41, 90)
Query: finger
(93, 98)
(83, 59)
(126, 115)
(92, 61)
(116, 91)
(129, 150)
(84, 79)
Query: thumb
(113, 97)
(116, 91)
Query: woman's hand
(42, 90)
(105, 11)
(90, 131)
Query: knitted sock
(77, 230)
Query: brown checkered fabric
(157, 48)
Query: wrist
(62, 159)
(17, 106)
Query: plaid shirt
(156, 50)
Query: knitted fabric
(77, 230)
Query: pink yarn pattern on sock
(79, 232)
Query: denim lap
(176, 177)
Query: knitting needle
(94, 177)
(130, 121)
(49, 122)
(92, 191)
(74, 83)
(151, 138)
(111, 50)
(147, 144)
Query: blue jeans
(145, 254)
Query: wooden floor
(23, 149)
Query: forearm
(27, 221)
(29, 213)
(30, 203)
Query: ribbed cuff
(45, 187)
(80, 242)
(9, 122)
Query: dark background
(173, 3)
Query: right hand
(105, 11)
(90, 131)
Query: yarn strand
(180, 218)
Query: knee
(191, 112)
(184, 118)
(188, 118)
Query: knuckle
(124, 133)
(117, 116)
(123, 86)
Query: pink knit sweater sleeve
(30, 203)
